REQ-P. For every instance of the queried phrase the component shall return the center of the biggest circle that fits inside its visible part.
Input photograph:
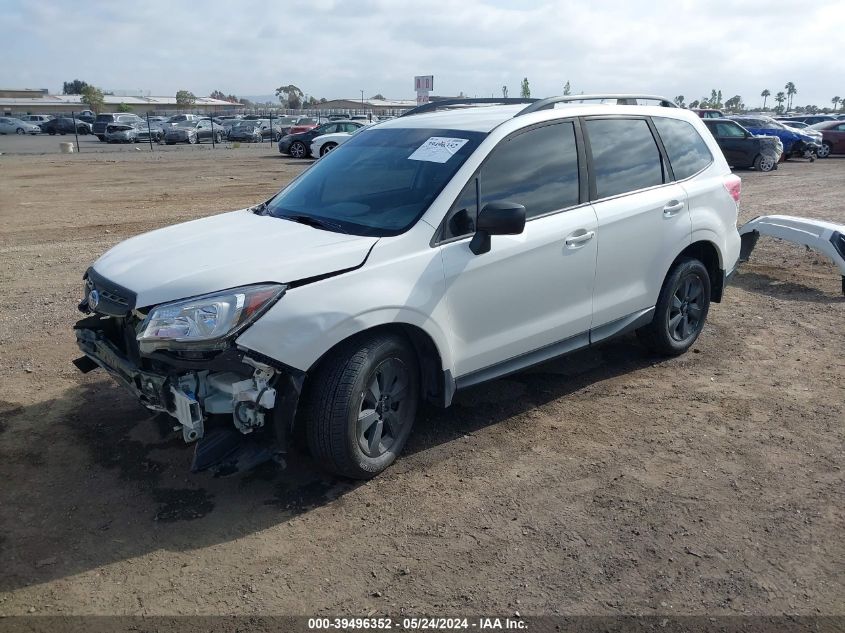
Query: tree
(567, 89)
(694, 104)
(679, 101)
(765, 94)
(734, 103)
(835, 101)
(780, 98)
(526, 89)
(290, 95)
(74, 87)
(791, 91)
(504, 92)
(185, 99)
(375, 96)
(124, 108)
(93, 98)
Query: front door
(530, 291)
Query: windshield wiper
(317, 223)
(258, 209)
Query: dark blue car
(795, 144)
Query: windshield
(285, 120)
(379, 182)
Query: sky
(336, 48)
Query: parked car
(809, 119)
(65, 125)
(37, 119)
(299, 145)
(833, 137)
(709, 113)
(193, 131)
(284, 124)
(427, 254)
(10, 125)
(326, 143)
(104, 119)
(306, 123)
(129, 133)
(245, 131)
(795, 142)
(744, 149)
(88, 118)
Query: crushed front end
(237, 406)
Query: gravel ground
(607, 482)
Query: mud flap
(747, 243)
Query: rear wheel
(298, 149)
(362, 405)
(764, 162)
(681, 309)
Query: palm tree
(791, 90)
(679, 100)
(765, 94)
(780, 98)
(835, 101)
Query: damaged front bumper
(238, 408)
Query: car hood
(224, 251)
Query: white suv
(427, 254)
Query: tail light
(733, 184)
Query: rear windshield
(105, 117)
(379, 182)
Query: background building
(25, 101)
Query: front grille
(113, 299)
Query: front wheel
(362, 404)
(325, 149)
(681, 309)
(19, 130)
(764, 162)
(823, 151)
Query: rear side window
(537, 169)
(625, 156)
(687, 151)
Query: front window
(378, 183)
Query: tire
(298, 150)
(824, 150)
(192, 140)
(681, 310)
(19, 130)
(354, 427)
(220, 138)
(764, 163)
(325, 149)
(51, 133)
(101, 137)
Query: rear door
(643, 217)
(531, 294)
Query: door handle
(579, 239)
(672, 208)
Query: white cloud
(335, 49)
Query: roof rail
(432, 106)
(621, 99)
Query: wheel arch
(708, 254)
(436, 385)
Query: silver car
(8, 125)
(121, 133)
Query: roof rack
(621, 99)
(445, 103)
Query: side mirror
(497, 218)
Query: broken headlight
(206, 322)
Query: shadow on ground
(99, 480)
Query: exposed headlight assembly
(207, 322)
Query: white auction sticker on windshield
(438, 149)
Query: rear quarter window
(687, 151)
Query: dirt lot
(608, 482)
